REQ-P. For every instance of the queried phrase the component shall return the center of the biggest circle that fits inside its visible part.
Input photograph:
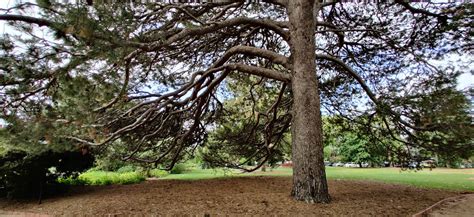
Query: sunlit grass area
(196, 174)
(454, 179)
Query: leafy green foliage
(109, 178)
(179, 168)
(126, 169)
(96, 177)
(31, 161)
(445, 113)
(157, 173)
(108, 160)
(125, 175)
(354, 148)
(34, 174)
(348, 142)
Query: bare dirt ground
(233, 196)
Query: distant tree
(446, 113)
(149, 74)
(351, 142)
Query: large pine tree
(152, 74)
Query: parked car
(428, 164)
(339, 164)
(413, 165)
(328, 164)
(351, 164)
(465, 165)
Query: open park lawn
(251, 195)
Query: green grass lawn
(196, 174)
(453, 179)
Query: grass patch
(454, 179)
(440, 178)
(196, 174)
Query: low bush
(71, 181)
(179, 169)
(126, 169)
(123, 176)
(26, 174)
(157, 173)
(108, 162)
(108, 178)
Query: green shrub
(71, 181)
(158, 173)
(108, 178)
(126, 169)
(26, 174)
(179, 169)
(109, 163)
(130, 178)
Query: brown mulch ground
(233, 196)
(460, 206)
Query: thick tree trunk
(309, 176)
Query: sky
(466, 80)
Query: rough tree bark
(309, 176)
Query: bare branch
(414, 10)
(259, 71)
(351, 73)
(274, 57)
(270, 24)
(81, 140)
(366, 88)
(27, 19)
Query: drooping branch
(367, 90)
(352, 73)
(27, 19)
(262, 130)
(414, 10)
(259, 71)
(197, 31)
(175, 98)
(333, 28)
